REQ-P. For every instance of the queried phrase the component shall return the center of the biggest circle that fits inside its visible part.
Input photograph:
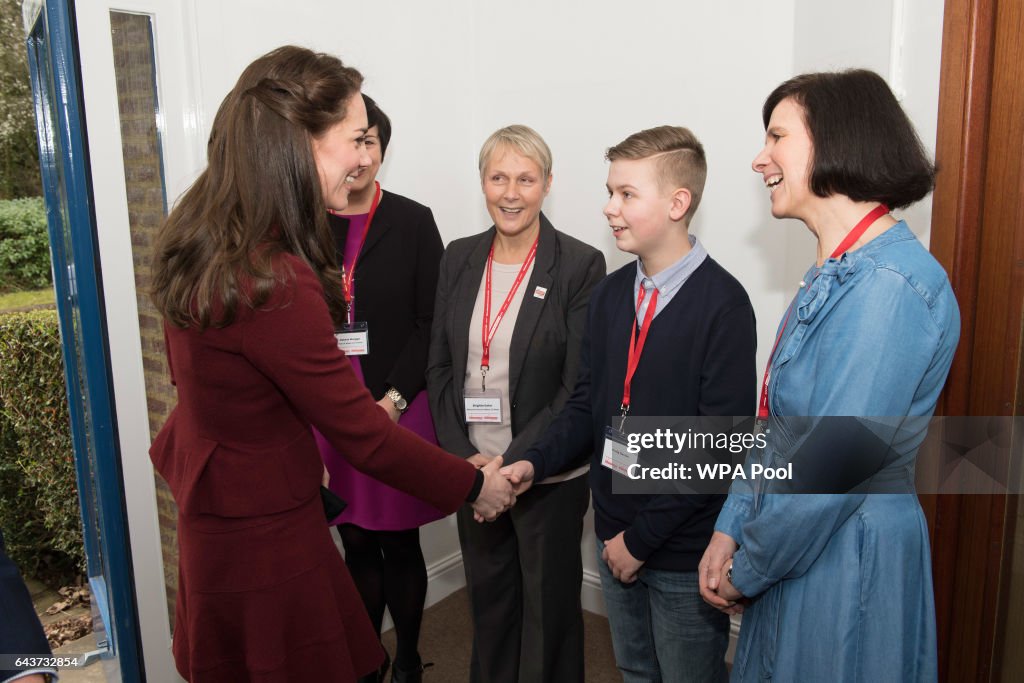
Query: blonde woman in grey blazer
(523, 571)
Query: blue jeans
(662, 631)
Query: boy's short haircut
(680, 158)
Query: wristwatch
(400, 403)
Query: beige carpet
(447, 635)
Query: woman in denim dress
(833, 571)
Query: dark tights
(389, 571)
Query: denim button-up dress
(841, 584)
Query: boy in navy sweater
(672, 334)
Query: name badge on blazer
(482, 406)
(354, 339)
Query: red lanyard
(851, 237)
(636, 348)
(762, 406)
(490, 330)
(348, 273)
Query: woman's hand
(496, 496)
(726, 590)
(389, 407)
(712, 568)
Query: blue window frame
(56, 87)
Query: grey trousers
(524, 573)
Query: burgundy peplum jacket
(263, 593)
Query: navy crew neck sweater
(698, 360)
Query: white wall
(900, 39)
(585, 75)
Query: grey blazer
(545, 351)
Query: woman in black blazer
(504, 354)
(391, 287)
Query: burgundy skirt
(268, 600)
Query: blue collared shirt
(668, 281)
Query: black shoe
(413, 675)
(378, 675)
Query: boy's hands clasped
(516, 478)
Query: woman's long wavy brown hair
(260, 194)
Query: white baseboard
(447, 576)
(734, 636)
(444, 577)
(591, 595)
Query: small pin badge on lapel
(540, 292)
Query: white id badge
(354, 339)
(616, 456)
(483, 405)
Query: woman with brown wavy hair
(244, 265)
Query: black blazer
(545, 351)
(394, 283)
(20, 630)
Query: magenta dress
(372, 504)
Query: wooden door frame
(977, 221)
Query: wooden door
(978, 235)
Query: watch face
(397, 399)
